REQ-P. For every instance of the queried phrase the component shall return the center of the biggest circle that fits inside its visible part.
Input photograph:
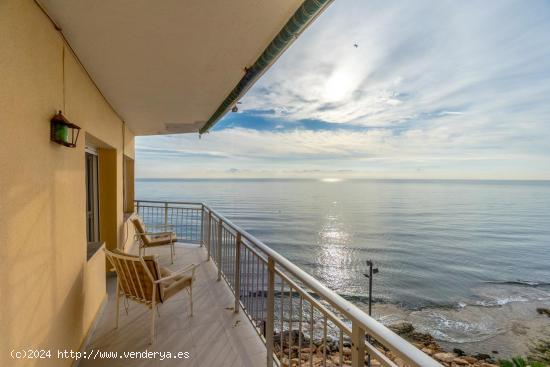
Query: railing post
(269, 327)
(357, 345)
(202, 225)
(208, 234)
(165, 213)
(137, 207)
(219, 248)
(237, 272)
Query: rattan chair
(148, 238)
(141, 279)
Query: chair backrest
(136, 275)
(140, 228)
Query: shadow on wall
(43, 280)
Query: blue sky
(435, 89)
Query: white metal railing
(301, 321)
(184, 218)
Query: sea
(467, 261)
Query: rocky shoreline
(504, 332)
(296, 345)
(426, 343)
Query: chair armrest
(161, 225)
(153, 233)
(190, 268)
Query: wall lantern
(63, 132)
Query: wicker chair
(141, 279)
(147, 238)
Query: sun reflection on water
(331, 179)
(335, 259)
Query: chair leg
(191, 298)
(153, 306)
(126, 305)
(117, 302)
(172, 252)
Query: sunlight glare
(331, 179)
(339, 85)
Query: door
(92, 197)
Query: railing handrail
(399, 346)
(169, 202)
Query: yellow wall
(49, 292)
(94, 288)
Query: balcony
(253, 307)
(214, 336)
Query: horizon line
(342, 179)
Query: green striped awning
(305, 14)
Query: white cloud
(253, 153)
(413, 58)
(435, 88)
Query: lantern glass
(63, 131)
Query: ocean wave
(359, 299)
(498, 302)
(526, 283)
(456, 330)
(486, 301)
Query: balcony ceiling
(165, 66)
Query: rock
(433, 346)
(460, 361)
(317, 361)
(459, 352)
(428, 351)
(407, 331)
(373, 362)
(470, 359)
(402, 328)
(445, 357)
(333, 346)
(346, 351)
(482, 356)
(308, 350)
(543, 311)
(294, 336)
(399, 362)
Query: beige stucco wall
(49, 292)
(93, 289)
